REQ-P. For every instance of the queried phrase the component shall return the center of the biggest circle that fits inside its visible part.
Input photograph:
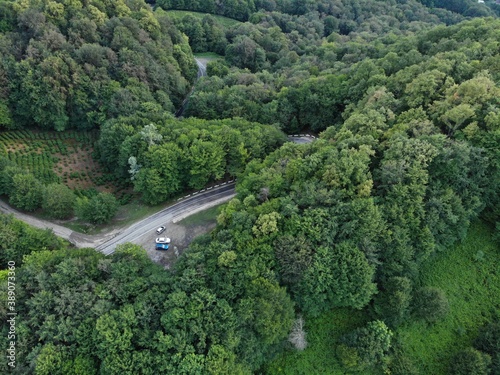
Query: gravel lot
(180, 235)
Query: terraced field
(56, 157)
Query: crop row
(86, 138)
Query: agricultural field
(64, 157)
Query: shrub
(58, 201)
(98, 209)
(430, 304)
(26, 192)
(365, 347)
(470, 361)
(488, 341)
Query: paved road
(202, 68)
(195, 203)
(301, 139)
(184, 208)
(108, 241)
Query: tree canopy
(403, 97)
(75, 64)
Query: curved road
(202, 71)
(195, 203)
(107, 242)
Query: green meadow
(468, 273)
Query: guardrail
(303, 135)
(234, 179)
(206, 189)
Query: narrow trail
(202, 71)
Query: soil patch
(181, 236)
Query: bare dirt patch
(78, 169)
(181, 236)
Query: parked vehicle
(163, 240)
(160, 230)
(161, 246)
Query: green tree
(99, 209)
(470, 361)
(52, 360)
(392, 304)
(153, 187)
(488, 341)
(7, 174)
(5, 116)
(245, 53)
(425, 88)
(430, 304)
(294, 256)
(217, 68)
(58, 201)
(160, 177)
(339, 276)
(365, 347)
(18, 240)
(27, 192)
(206, 162)
(266, 224)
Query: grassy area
(471, 281)
(127, 215)
(224, 21)
(208, 55)
(135, 211)
(322, 334)
(472, 286)
(202, 217)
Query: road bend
(107, 242)
(194, 203)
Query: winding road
(107, 242)
(202, 71)
(202, 68)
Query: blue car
(161, 246)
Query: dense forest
(404, 97)
(75, 64)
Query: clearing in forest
(224, 21)
(468, 275)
